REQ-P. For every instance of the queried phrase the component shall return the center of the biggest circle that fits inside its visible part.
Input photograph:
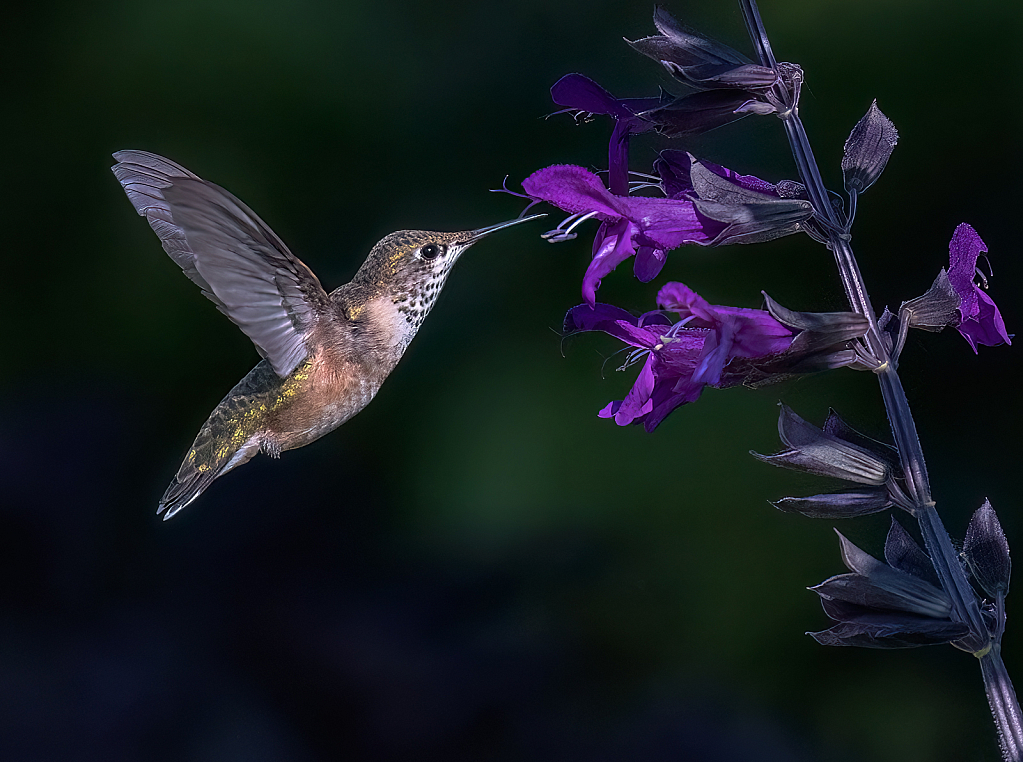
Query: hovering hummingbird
(324, 355)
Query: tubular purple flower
(680, 357)
(980, 320)
(651, 225)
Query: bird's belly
(322, 406)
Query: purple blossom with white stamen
(681, 357)
(697, 211)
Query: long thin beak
(475, 235)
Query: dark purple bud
(725, 187)
(818, 330)
(887, 605)
(698, 113)
(677, 46)
(867, 150)
(902, 552)
(987, 551)
(892, 631)
(710, 76)
(755, 223)
(838, 505)
(934, 310)
(816, 452)
(752, 214)
(700, 62)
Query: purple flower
(980, 321)
(704, 347)
(708, 205)
(631, 224)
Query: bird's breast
(320, 395)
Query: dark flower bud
(818, 330)
(755, 223)
(835, 426)
(698, 113)
(698, 61)
(867, 150)
(814, 451)
(838, 505)
(823, 341)
(752, 216)
(882, 630)
(987, 551)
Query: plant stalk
(1001, 696)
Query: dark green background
(476, 567)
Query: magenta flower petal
(678, 297)
(685, 356)
(598, 317)
(578, 92)
(615, 322)
(618, 158)
(583, 94)
(670, 223)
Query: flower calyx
(898, 604)
(840, 452)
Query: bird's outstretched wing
(231, 254)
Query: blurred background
(476, 567)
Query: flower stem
(1004, 705)
(1001, 696)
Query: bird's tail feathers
(207, 459)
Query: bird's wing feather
(231, 254)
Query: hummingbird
(324, 356)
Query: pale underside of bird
(324, 355)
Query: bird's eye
(431, 251)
